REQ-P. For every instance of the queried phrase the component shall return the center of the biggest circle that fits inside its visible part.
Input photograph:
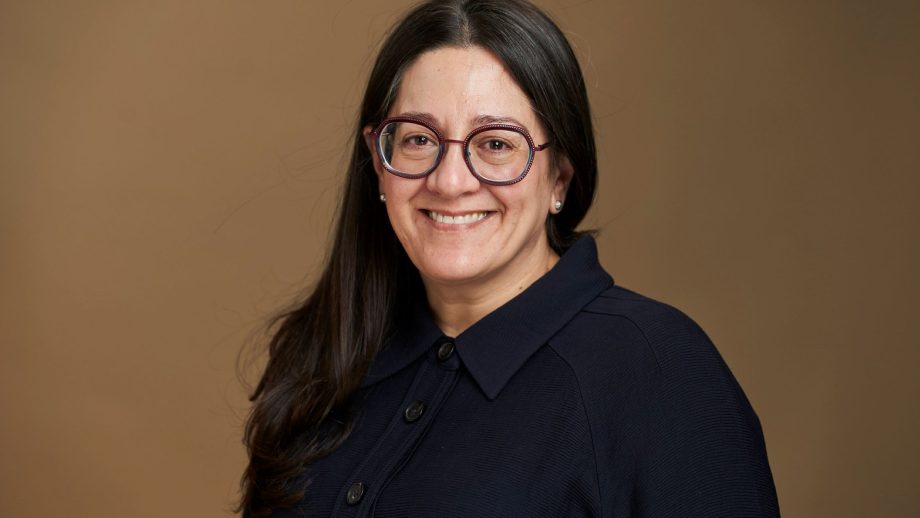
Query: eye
(418, 140)
(497, 145)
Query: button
(446, 349)
(355, 492)
(414, 411)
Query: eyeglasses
(496, 154)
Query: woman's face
(458, 89)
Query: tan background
(167, 172)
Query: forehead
(460, 85)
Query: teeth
(456, 220)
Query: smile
(472, 217)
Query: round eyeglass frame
(442, 148)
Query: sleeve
(701, 447)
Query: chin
(455, 269)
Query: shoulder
(625, 343)
(666, 414)
(640, 360)
(622, 329)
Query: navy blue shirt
(576, 398)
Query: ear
(564, 174)
(369, 142)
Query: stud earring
(558, 205)
(383, 197)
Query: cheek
(399, 193)
(528, 201)
(391, 189)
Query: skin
(471, 269)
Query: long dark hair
(323, 347)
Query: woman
(463, 353)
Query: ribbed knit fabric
(576, 398)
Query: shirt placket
(431, 386)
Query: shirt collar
(496, 347)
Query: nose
(452, 178)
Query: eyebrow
(478, 120)
(427, 117)
(496, 119)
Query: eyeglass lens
(495, 154)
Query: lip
(438, 223)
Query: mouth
(456, 219)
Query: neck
(458, 305)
